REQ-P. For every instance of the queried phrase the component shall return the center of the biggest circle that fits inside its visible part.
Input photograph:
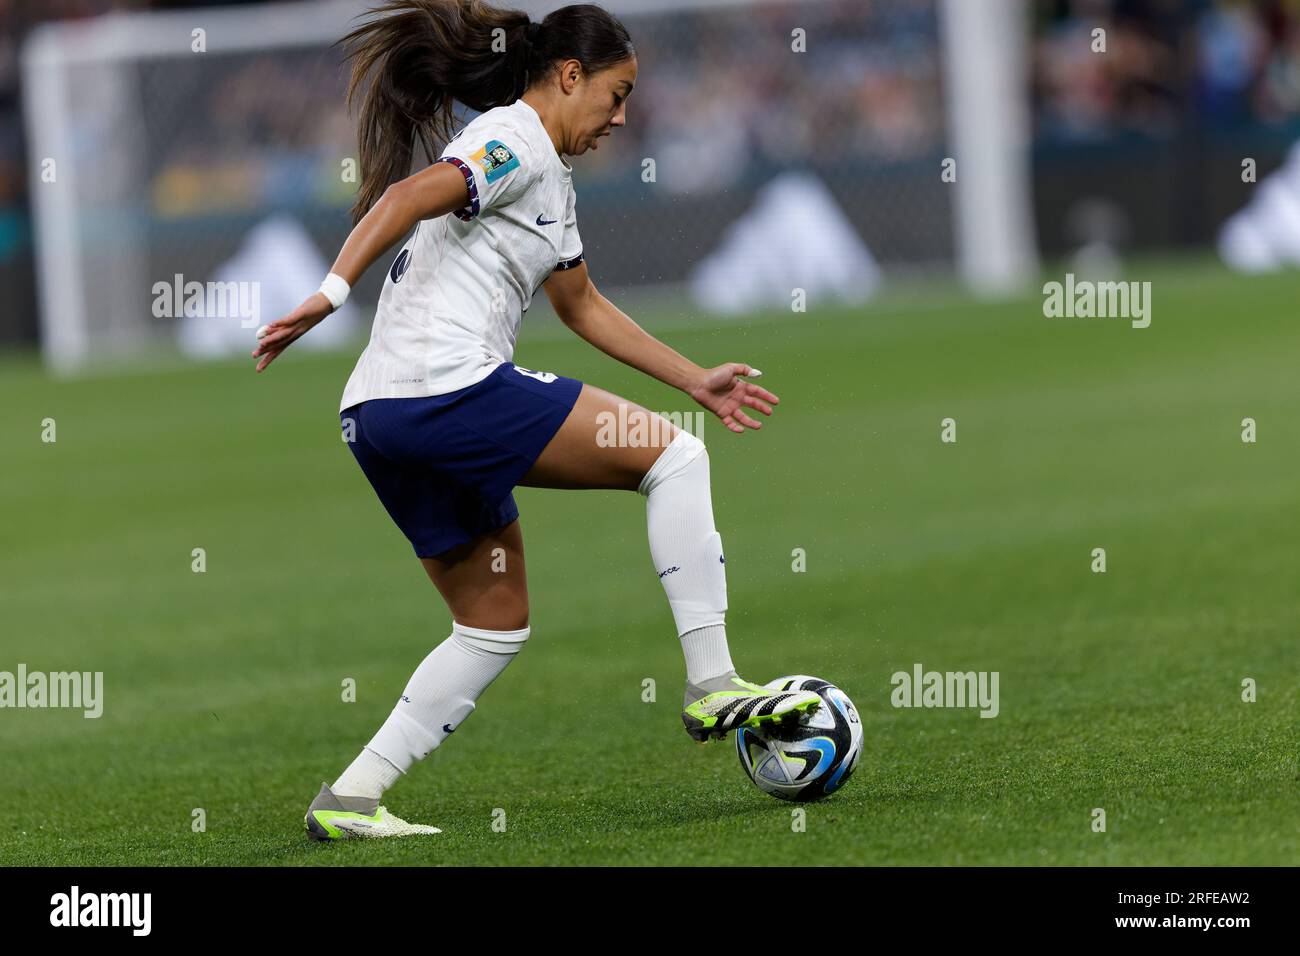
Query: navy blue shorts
(444, 466)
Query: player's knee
(503, 619)
(502, 613)
(683, 452)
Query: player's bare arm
(430, 193)
(721, 390)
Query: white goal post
(986, 54)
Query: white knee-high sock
(439, 696)
(687, 552)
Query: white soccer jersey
(456, 292)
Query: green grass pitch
(1119, 691)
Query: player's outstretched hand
(724, 393)
(279, 335)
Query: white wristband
(336, 289)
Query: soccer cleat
(749, 705)
(340, 818)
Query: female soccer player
(441, 421)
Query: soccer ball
(805, 761)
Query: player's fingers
(276, 332)
(741, 368)
(731, 424)
(281, 339)
(280, 323)
(761, 405)
(744, 419)
(762, 393)
(268, 340)
(268, 358)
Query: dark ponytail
(413, 59)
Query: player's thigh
(606, 442)
(483, 580)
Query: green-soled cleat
(747, 705)
(333, 817)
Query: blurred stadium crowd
(1167, 62)
(715, 104)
